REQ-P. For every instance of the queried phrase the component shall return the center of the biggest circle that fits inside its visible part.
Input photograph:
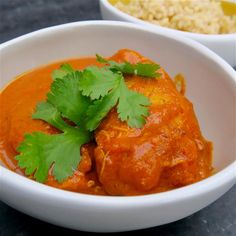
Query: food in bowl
(204, 17)
(116, 126)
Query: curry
(167, 152)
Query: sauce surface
(168, 152)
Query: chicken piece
(169, 149)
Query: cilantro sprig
(132, 107)
(39, 151)
(141, 69)
(76, 104)
(66, 96)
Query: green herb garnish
(131, 106)
(76, 104)
(141, 69)
(39, 151)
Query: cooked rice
(198, 16)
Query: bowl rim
(207, 37)
(190, 191)
(224, 176)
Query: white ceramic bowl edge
(223, 45)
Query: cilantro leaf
(145, 70)
(62, 72)
(47, 112)
(99, 109)
(97, 82)
(39, 152)
(141, 69)
(67, 97)
(101, 59)
(67, 68)
(132, 106)
(58, 74)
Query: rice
(197, 16)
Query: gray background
(19, 17)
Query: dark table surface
(19, 17)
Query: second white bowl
(224, 45)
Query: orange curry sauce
(168, 152)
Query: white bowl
(211, 86)
(224, 44)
